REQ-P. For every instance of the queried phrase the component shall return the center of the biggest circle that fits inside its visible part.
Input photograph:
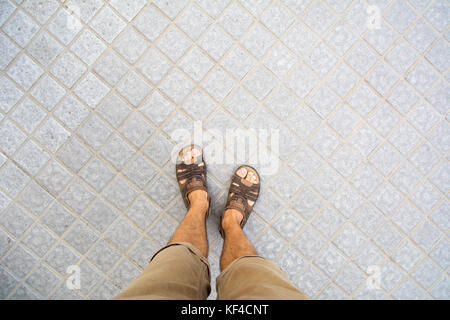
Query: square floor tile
(68, 69)
(235, 20)
(277, 19)
(21, 28)
(65, 26)
(88, 47)
(31, 157)
(100, 215)
(74, 155)
(193, 21)
(174, 44)
(16, 220)
(25, 72)
(52, 135)
(107, 24)
(9, 50)
(10, 94)
(159, 22)
(77, 196)
(258, 40)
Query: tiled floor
(357, 92)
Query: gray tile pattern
(91, 92)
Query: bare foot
(232, 216)
(189, 156)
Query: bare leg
(193, 227)
(236, 243)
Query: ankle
(231, 219)
(199, 199)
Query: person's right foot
(191, 176)
(244, 191)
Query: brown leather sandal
(242, 190)
(193, 174)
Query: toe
(187, 155)
(188, 159)
(250, 176)
(192, 152)
(195, 152)
(242, 172)
(196, 155)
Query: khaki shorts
(179, 271)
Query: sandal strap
(189, 172)
(240, 193)
(239, 206)
(195, 185)
(194, 175)
(243, 191)
(238, 203)
(186, 171)
(244, 194)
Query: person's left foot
(191, 176)
(244, 191)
